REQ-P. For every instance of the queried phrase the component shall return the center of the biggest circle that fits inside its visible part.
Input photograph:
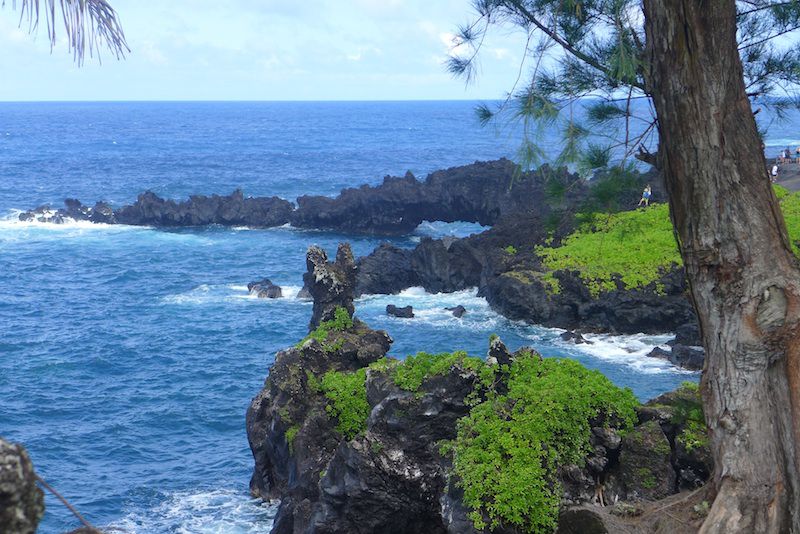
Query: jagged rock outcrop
(480, 193)
(391, 475)
(331, 285)
(21, 500)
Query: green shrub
(339, 323)
(511, 250)
(509, 446)
(347, 396)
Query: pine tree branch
(530, 17)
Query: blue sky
(264, 50)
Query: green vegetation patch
(291, 433)
(508, 448)
(636, 245)
(339, 323)
(347, 396)
(511, 250)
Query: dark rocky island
(352, 441)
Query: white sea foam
(12, 229)
(220, 511)
(220, 293)
(430, 308)
(628, 350)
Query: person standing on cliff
(646, 194)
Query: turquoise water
(128, 356)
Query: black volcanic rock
(387, 270)
(457, 311)
(480, 192)
(265, 289)
(231, 210)
(391, 476)
(406, 312)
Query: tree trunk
(743, 276)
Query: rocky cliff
(352, 441)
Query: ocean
(129, 355)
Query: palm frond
(88, 24)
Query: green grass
(509, 447)
(637, 245)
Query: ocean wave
(629, 350)
(225, 293)
(221, 511)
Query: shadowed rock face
(21, 500)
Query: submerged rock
(574, 337)
(21, 500)
(406, 312)
(457, 311)
(265, 289)
(691, 358)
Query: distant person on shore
(797, 155)
(646, 194)
(775, 172)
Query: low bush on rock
(509, 447)
(347, 398)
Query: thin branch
(71, 508)
(565, 44)
(769, 37)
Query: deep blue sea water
(128, 356)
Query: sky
(264, 50)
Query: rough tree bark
(744, 279)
